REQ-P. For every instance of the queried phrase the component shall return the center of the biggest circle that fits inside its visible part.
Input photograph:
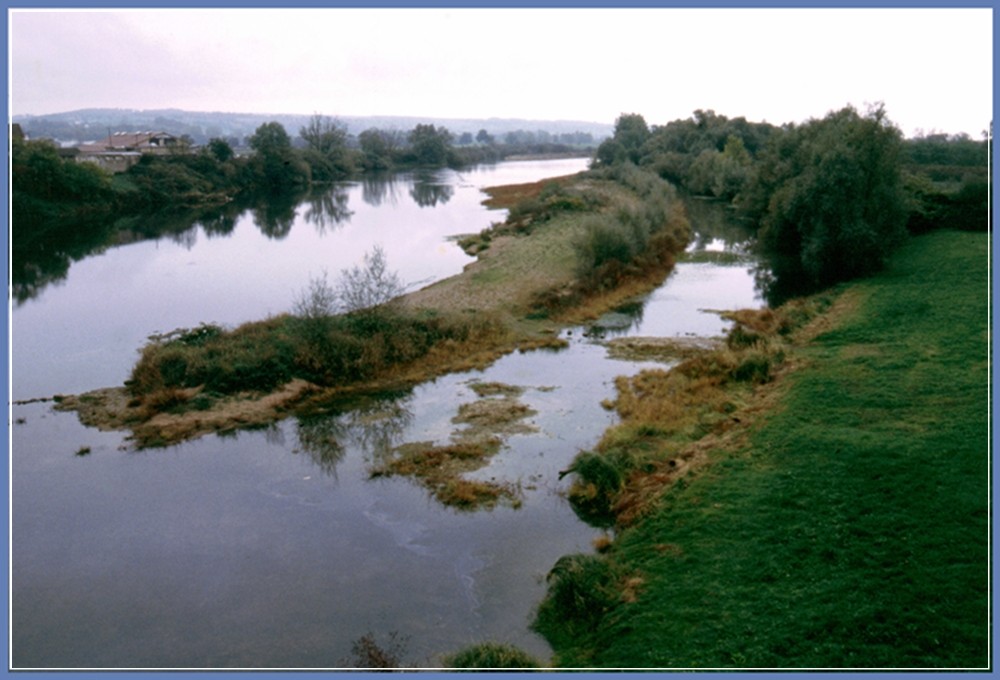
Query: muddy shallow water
(275, 548)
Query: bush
(600, 479)
(491, 655)
(602, 241)
(581, 591)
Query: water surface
(273, 548)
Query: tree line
(829, 199)
(48, 187)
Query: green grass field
(853, 531)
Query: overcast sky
(931, 67)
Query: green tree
(326, 153)
(835, 204)
(631, 132)
(220, 150)
(270, 139)
(276, 167)
(47, 187)
(378, 148)
(430, 146)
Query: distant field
(853, 532)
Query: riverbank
(195, 381)
(842, 523)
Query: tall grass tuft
(490, 655)
(582, 589)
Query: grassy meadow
(849, 528)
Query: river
(274, 548)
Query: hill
(90, 124)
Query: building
(121, 150)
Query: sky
(930, 67)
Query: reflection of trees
(186, 239)
(427, 192)
(28, 279)
(275, 216)
(374, 426)
(220, 223)
(327, 208)
(319, 437)
(42, 254)
(712, 220)
(380, 188)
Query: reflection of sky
(84, 332)
(682, 306)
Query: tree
(485, 138)
(270, 139)
(324, 134)
(631, 132)
(326, 153)
(430, 146)
(378, 148)
(220, 150)
(836, 208)
(276, 167)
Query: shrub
(491, 655)
(602, 241)
(581, 591)
(599, 479)
(368, 653)
(369, 286)
(755, 367)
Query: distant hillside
(91, 124)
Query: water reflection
(221, 222)
(427, 190)
(275, 217)
(373, 425)
(380, 188)
(327, 208)
(714, 221)
(43, 254)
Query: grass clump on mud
(484, 424)
(848, 527)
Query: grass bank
(846, 527)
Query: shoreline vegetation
(810, 492)
(549, 265)
(825, 508)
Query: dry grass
(509, 195)
(671, 418)
(439, 468)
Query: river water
(274, 548)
